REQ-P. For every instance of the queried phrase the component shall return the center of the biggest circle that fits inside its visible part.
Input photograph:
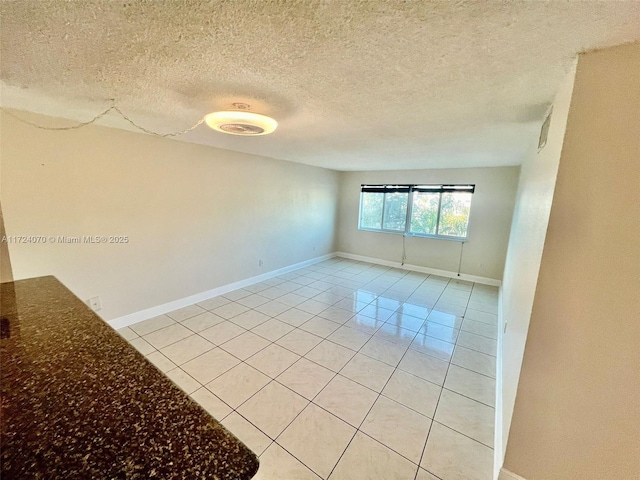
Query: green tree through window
(432, 210)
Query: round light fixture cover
(238, 122)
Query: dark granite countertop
(78, 402)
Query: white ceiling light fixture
(241, 121)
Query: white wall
(577, 410)
(490, 220)
(528, 232)
(196, 217)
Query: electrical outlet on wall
(94, 303)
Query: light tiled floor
(342, 370)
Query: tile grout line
(424, 447)
(376, 400)
(401, 296)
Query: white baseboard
(498, 446)
(507, 475)
(136, 317)
(418, 268)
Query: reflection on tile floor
(342, 370)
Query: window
(422, 210)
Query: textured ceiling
(355, 85)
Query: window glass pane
(395, 211)
(424, 215)
(371, 210)
(454, 214)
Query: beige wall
(491, 211)
(196, 217)
(577, 414)
(528, 231)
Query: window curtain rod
(394, 188)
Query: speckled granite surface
(78, 402)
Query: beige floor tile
(213, 303)
(168, 335)
(408, 322)
(364, 324)
(432, 346)
(210, 365)
(292, 299)
(478, 316)
(349, 337)
(384, 351)
(186, 312)
(479, 328)
(440, 332)
(212, 404)
(230, 310)
(368, 371)
(366, 459)
(237, 294)
(294, 317)
(336, 314)
(187, 349)
(424, 475)
(183, 380)
(328, 297)
(320, 326)
(140, 344)
(331, 355)
(379, 313)
(247, 433)
(306, 378)
(151, 325)
(416, 311)
(273, 292)
(273, 360)
(471, 384)
(273, 308)
(413, 392)
(278, 464)
(223, 332)
(127, 333)
(478, 343)
(245, 345)
(466, 416)
(446, 319)
(476, 361)
(250, 319)
(252, 301)
(483, 306)
(272, 329)
(299, 341)
(448, 307)
(398, 427)
(453, 456)
(238, 384)
(317, 439)
(160, 361)
(273, 408)
(351, 305)
(424, 366)
(396, 334)
(347, 399)
(257, 287)
(308, 292)
(202, 322)
(449, 298)
(312, 306)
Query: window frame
(410, 190)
